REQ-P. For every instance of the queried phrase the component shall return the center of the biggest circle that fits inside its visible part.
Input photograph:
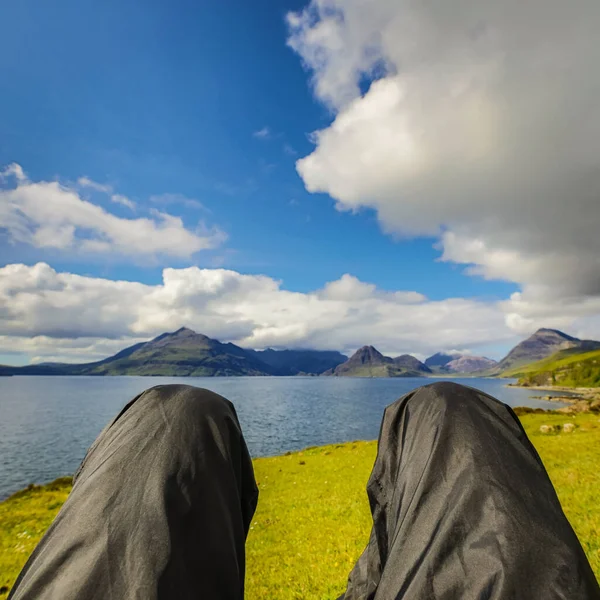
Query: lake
(47, 423)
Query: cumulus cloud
(480, 128)
(47, 214)
(47, 313)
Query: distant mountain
(369, 362)
(182, 353)
(542, 344)
(409, 362)
(441, 359)
(469, 364)
(455, 362)
(294, 362)
(187, 353)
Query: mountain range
(187, 353)
(369, 362)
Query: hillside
(542, 344)
(295, 362)
(369, 362)
(568, 368)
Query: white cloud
(99, 187)
(13, 170)
(481, 129)
(50, 215)
(123, 201)
(263, 134)
(75, 350)
(38, 305)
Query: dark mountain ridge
(369, 362)
(184, 353)
(408, 361)
(441, 359)
(295, 362)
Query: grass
(24, 517)
(566, 368)
(313, 518)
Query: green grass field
(313, 518)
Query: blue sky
(165, 99)
(163, 102)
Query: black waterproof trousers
(462, 508)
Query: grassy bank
(313, 518)
(568, 368)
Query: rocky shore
(580, 400)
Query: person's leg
(463, 508)
(160, 507)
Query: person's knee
(444, 396)
(186, 401)
(446, 392)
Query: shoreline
(580, 399)
(63, 482)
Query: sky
(325, 174)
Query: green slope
(568, 368)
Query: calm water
(47, 423)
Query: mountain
(441, 359)
(182, 353)
(369, 362)
(469, 364)
(406, 361)
(542, 344)
(455, 362)
(187, 353)
(294, 362)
